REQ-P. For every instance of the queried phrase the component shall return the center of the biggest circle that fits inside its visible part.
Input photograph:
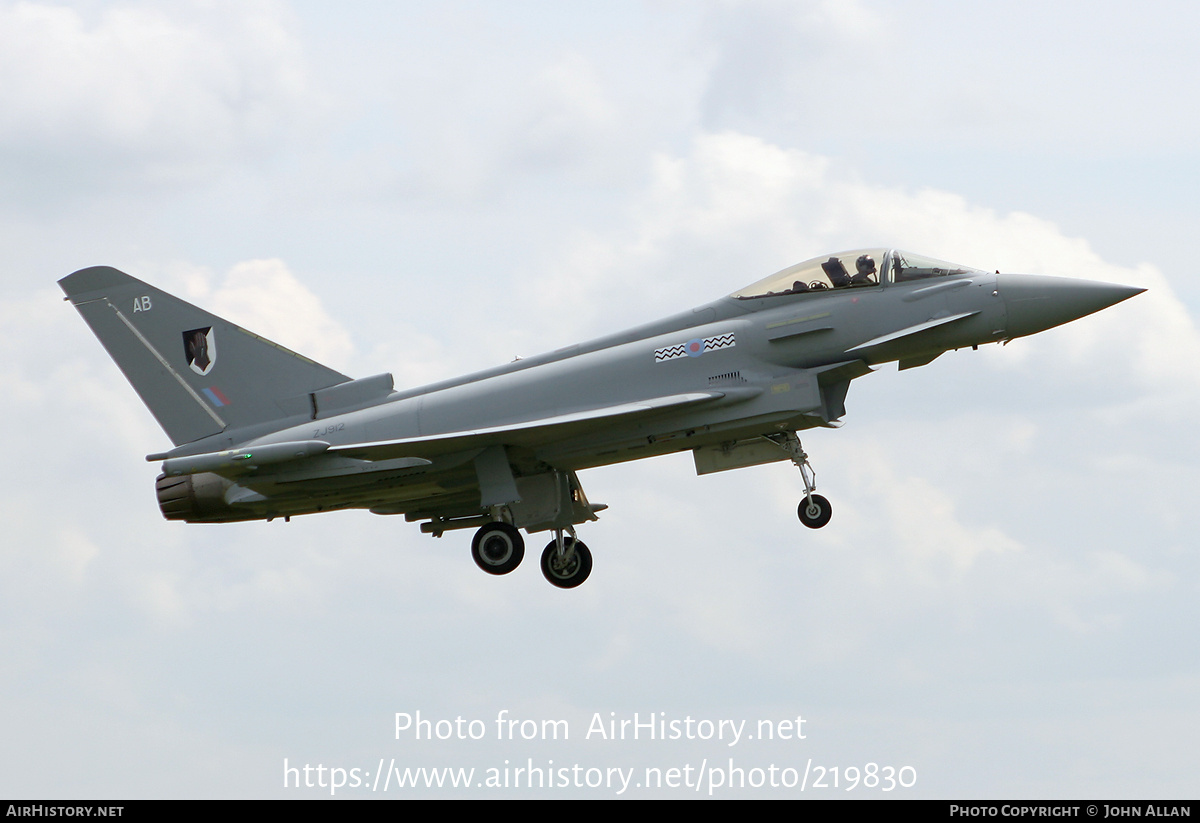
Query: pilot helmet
(865, 264)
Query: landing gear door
(553, 500)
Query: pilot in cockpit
(866, 271)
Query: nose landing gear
(814, 510)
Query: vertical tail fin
(198, 374)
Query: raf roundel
(694, 347)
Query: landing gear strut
(498, 548)
(814, 510)
(566, 561)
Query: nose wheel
(814, 510)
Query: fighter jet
(260, 432)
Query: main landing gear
(566, 561)
(814, 510)
(498, 548)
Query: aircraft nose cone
(1035, 303)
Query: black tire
(577, 568)
(816, 513)
(498, 548)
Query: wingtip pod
(1035, 303)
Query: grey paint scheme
(268, 433)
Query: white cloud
(264, 297)
(768, 55)
(566, 117)
(162, 90)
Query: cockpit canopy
(861, 268)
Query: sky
(1004, 604)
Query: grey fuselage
(789, 363)
(767, 360)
